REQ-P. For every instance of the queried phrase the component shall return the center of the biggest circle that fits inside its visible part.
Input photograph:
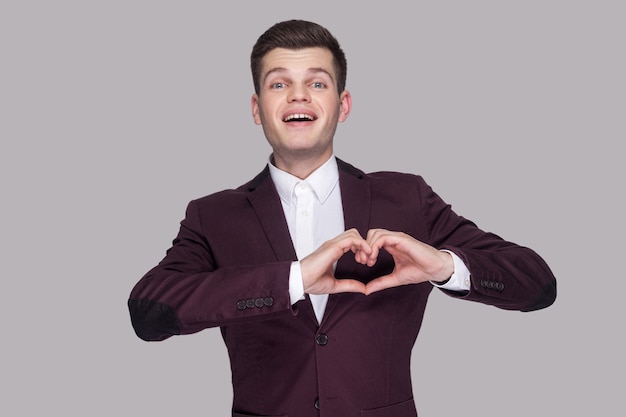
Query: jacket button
(321, 339)
(317, 404)
(241, 305)
(268, 301)
(250, 303)
(258, 302)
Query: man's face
(298, 104)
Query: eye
(318, 84)
(277, 86)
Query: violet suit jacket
(229, 267)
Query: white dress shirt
(325, 211)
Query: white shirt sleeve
(460, 279)
(296, 286)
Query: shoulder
(236, 195)
(383, 179)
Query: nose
(298, 93)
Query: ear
(345, 105)
(255, 109)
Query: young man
(317, 273)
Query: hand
(415, 261)
(318, 275)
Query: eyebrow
(314, 70)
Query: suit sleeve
(187, 292)
(502, 273)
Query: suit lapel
(355, 197)
(356, 200)
(265, 201)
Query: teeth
(298, 116)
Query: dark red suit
(229, 267)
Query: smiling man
(299, 105)
(317, 273)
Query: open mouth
(299, 117)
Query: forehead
(298, 61)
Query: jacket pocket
(403, 409)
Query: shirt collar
(323, 180)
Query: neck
(299, 167)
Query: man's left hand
(415, 261)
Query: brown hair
(297, 34)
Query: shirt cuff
(460, 279)
(296, 286)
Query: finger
(355, 244)
(361, 257)
(343, 243)
(371, 239)
(393, 242)
(381, 283)
(380, 238)
(353, 233)
(348, 285)
(373, 234)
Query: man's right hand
(318, 272)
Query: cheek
(266, 111)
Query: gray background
(115, 114)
